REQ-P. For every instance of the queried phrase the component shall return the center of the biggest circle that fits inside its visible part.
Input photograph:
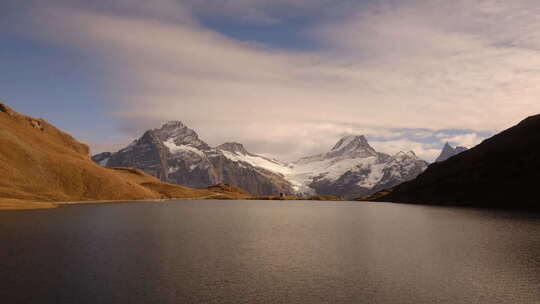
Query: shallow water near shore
(268, 252)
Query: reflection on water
(268, 252)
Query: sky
(287, 78)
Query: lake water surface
(268, 252)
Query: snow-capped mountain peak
(353, 168)
(174, 153)
(176, 133)
(353, 146)
(352, 142)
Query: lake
(268, 252)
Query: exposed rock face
(234, 148)
(449, 151)
(502, 171)
(148, 153)
(174, 153)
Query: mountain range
(174, 153)
(40, 164)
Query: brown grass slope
(226, 191)
(39, 163)
(297, 198)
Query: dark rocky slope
(503, 172)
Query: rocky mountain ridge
(174, 153)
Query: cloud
(391, 65)
(466, 140)
(468, 69)
(268, 12)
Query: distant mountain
(502, 171)
(174, 153)
(353, 168)
(43, 164)
(449, 151)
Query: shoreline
(10, 204)
(14, 204)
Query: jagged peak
(233, 147)
(351, 142)
(177, 131)
(449, 151)
(448, 146)
(172, 133)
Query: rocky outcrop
(3, 108)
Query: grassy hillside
(39, 163)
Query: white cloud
(391, 66)
(466, 140)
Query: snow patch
(332, 169)
(174, 148)
(374, 177)
(344, 142)
(257, 161)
